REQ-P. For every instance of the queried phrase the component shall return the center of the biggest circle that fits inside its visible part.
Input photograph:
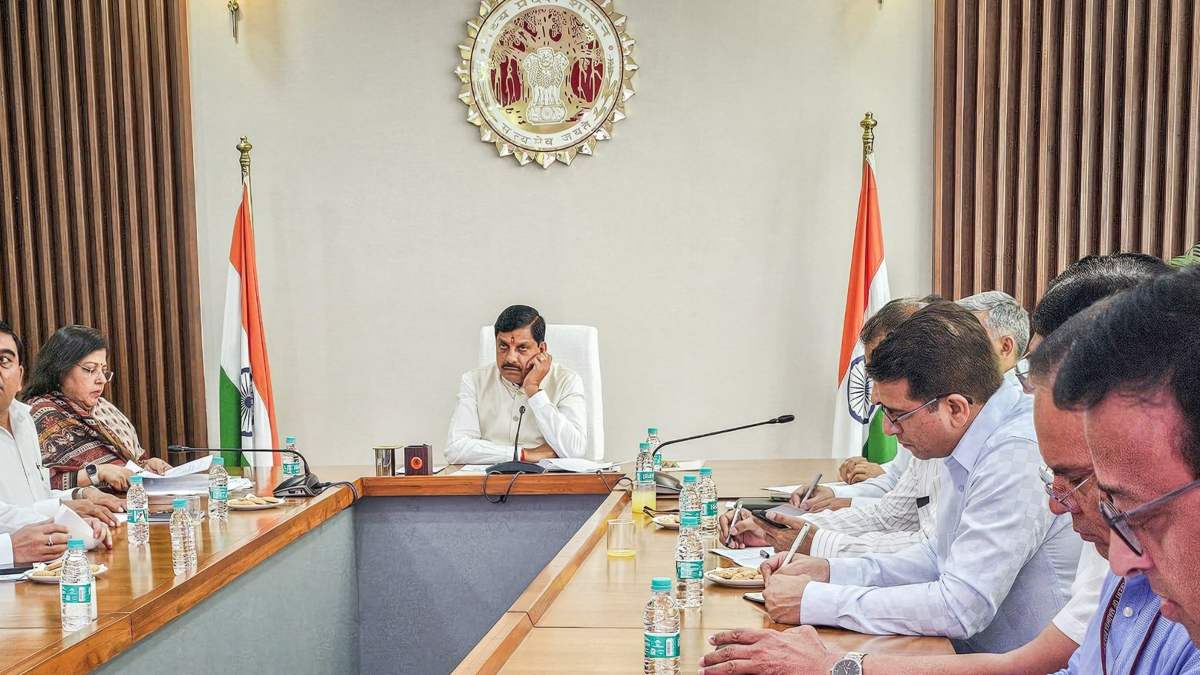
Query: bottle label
(689, 519)
(662, 645)
(291, 468)
(219, 492)
(658, 462)
(645, 476)
(137, 516)
(710, 508)
(76, 594)
(689, 569)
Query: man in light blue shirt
(1001, 565)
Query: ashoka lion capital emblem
(545, 80)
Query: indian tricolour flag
(247, 404)
(854, 430)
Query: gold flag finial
(244, 147)
(868, 125)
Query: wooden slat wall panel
(1063, 128)
(97, 202)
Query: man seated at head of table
(1000, 565)
(524, 389)
(85, 439)
(904, 515)
(899, 519)
(1071, 485)
(26, 501)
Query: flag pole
(868, 125)
(245, 147)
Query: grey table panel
(295, 612)
(435, 573)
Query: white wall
(709, 240)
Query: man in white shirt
(26, 500)
(1000, 565)
(496, 401)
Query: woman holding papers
(79, 430)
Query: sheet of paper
(76, 527)
(746, 557)
(573, 465)
(20, 576)
(789, 489)
(195, 484)
(201, 465)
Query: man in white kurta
(484, 426)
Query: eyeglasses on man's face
(97, 370)
(897, 419)
(1121, 521)
(1064, 497)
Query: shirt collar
(511, 388)
(995, 411)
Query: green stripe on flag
(879, 447)
(231, 421)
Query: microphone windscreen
(784, 419)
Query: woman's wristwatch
(92, 471)
(851, 664)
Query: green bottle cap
(706, 471)
(653, 431)
(218, 460)
(644, 446)
(179, 504)
(75, 545)
(135, 480)
(660, 584)
(689, 478)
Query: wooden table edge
(546, 586)
(494, 649)
(81, 651)
(473, 484)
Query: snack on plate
(254, 500)
(738, 573)
(668, 519)
(670, 464)
(49, 572)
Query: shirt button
(515, 418)
(1128, 612)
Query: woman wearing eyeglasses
(83, 435)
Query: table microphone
(304, 485)
(666, 480)
(516, 465)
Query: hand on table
(110, 502)
(796, 651)
(543, 451)
(535, 371)
(821, 499)
(100, 532)
(745, 533)
(39, 543)
(89, 509)
(782, 539)
(802, 565)
(858, 469)
(783, 594)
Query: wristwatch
(91, 472)
(851, 664)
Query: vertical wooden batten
(97, 199)
(1062, 128)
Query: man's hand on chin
(541, 452)
(536, 371)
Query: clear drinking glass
(195, 508)
(621, 542)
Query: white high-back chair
(577, 348)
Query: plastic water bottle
(654, 441)
(291, 461)
(138, 512)
(689, 550)
(76, 588)
(218, 490)
(660, 621)
(708, 503)
(183, 538)
(643, 481)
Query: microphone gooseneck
(517, 436)
(782, 419)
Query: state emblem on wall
(545, 80)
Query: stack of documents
(185, 479)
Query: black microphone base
(515, 467)
(299, 486)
